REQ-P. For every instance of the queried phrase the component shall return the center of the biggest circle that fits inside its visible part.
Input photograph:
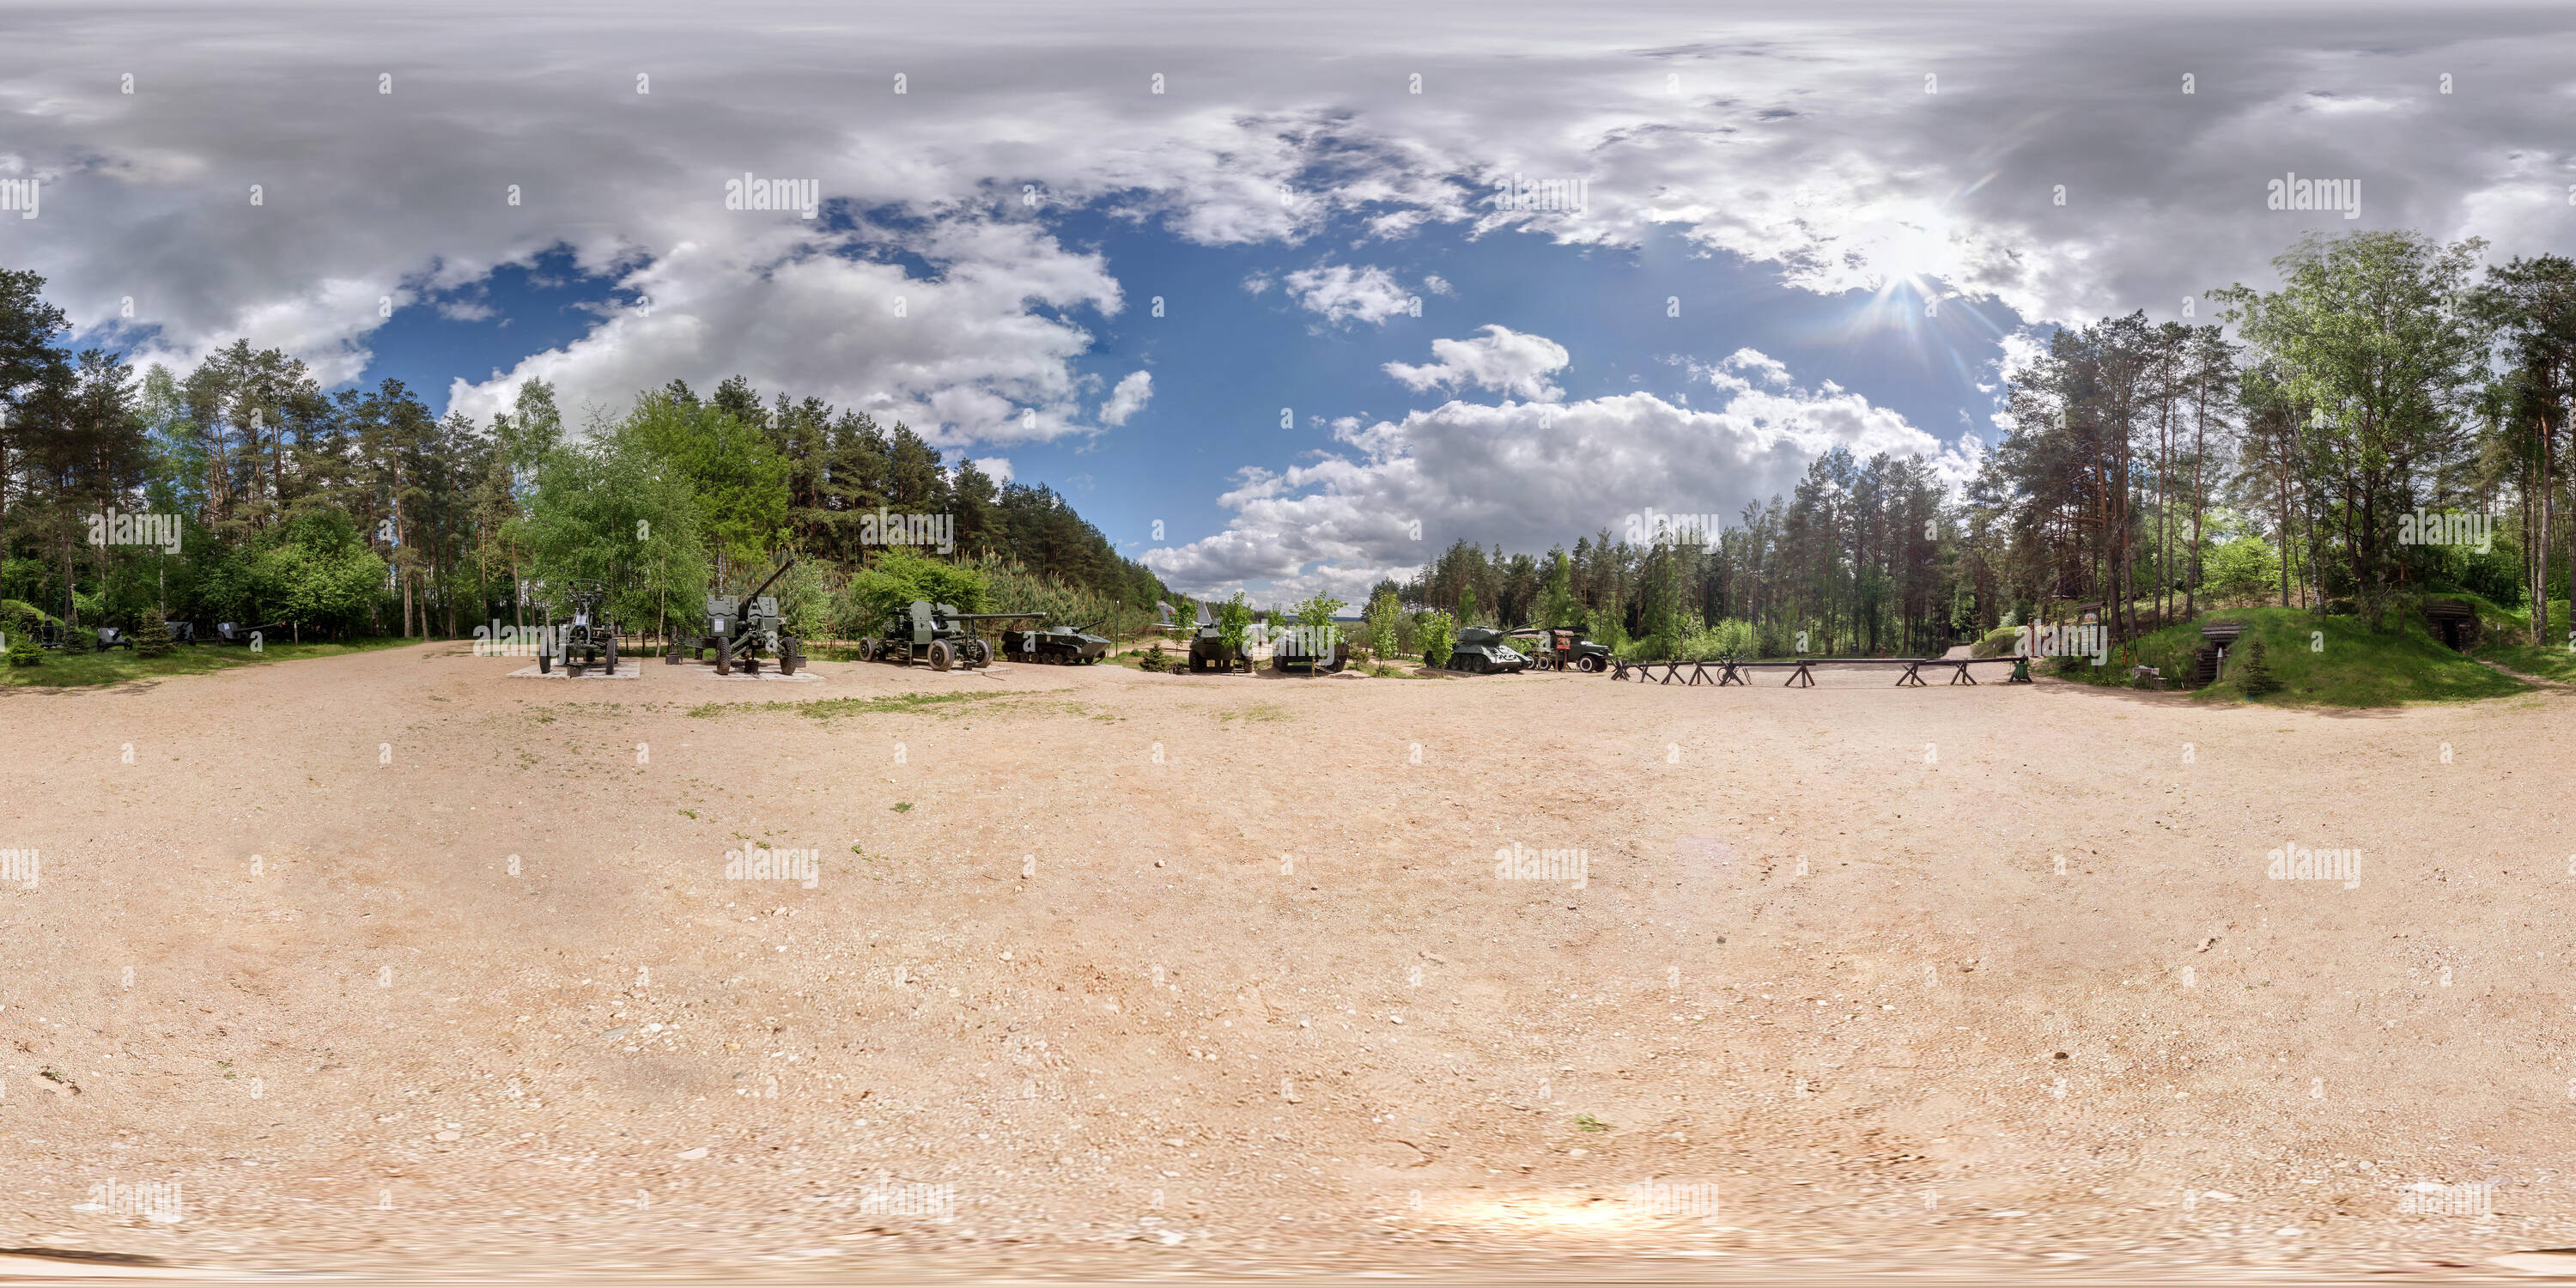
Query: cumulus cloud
(1498, 358)
(1530, 475)
(1128, 398)
(1346, 294)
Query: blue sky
(1226, 359)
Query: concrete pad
(627, 669)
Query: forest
(242, 492)
(2387, 422)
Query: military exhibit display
(1481, 650)
(1062, 645)
(1559, 648)
(1304, 648)
(588, 639)
(740, 629)
(937, 634)
(1208, 651)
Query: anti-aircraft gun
(935, 633)
(1064, 645)
(589, 639)
(740, 629)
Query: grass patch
(78, 670)
(2320, 661)
(1589, 1123)
(2549, 662)
(1258, 713)
(836, 708)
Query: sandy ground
(396, 963)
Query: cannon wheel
(724, 655)
(788, 656)
(942, 655)
(611, 660)
(545, 656)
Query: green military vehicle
(1480, 650)
(1062, 645)
(937, 634)
(1207, 647)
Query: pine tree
(2255, 672)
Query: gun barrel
(773, 577)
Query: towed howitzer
(738, 629)
(935, 633)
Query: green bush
(154, 639)
(900, 577)
(2254, 671)
(80, 639)
(1439, 637)
(23, 648)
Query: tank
(1062, 645)
(1480, 650)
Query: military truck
(1207, 647)
(1561, 649)
(1480, 650)
(1062, 645)
(937, 634)
(740, 629)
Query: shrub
(23, 648)
(154, 639)
(80, 639)
(1439, 636)
(2254, 671)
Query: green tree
(1385, 623)
(1439, 635)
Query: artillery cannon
(589, 639)
(740, 628)
(935, 633)
(1064, 645)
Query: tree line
(2320, 444)
(359, 512)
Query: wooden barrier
(1801, 672)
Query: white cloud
(998, 468)
(1527, 476)
(1128, 398)
(1345, 294)
(1498, 357)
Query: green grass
(2320, 661)
(77, 670)
(835, 708)
(2548, 661)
